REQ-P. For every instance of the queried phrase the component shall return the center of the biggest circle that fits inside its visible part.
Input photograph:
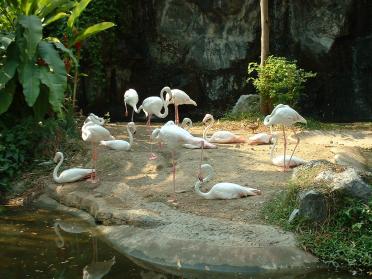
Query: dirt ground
(243, 164)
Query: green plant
(279, 79)
(343, 241)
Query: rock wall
(204, 46)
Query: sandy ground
(243, 164)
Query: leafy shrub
(279, 79)
(344, 241)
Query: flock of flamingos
(174, 136)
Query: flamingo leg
(148, 124)
(298, 141)
(126, 109)
(201, 161)
(132, 114)
(93, 175)
(285, 150)
(177, 120)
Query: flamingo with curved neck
(121, 144)
(131, 98)
(69, 175)
(224, 190)
(219, 136)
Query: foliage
(279, 79)
(344, 241)
(29, 138)
(241, 116)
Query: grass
(343, 241)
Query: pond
(40, 243)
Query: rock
(313, 205)
(247, 104)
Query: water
(30, 248)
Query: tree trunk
(265, 104)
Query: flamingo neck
(198, 182)
(165, 103)
(55, 171)
(206, 129)
(130, 136)
(60, 242)
(274, 139)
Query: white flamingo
(220, 136)
(224, 190)
(187, 124)
(95, 119)
(69, 175)
(261, 138)
(94, 134)
(131, 98)
(179, 97)
(286, 116)
(121, 144)
(174, 137)
(154, 105)
(96, 270)
(279, 161)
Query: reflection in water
(28, 250)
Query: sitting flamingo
(220, 136)
(290, 161)
(95, 119)
(261, 138)
(121, 144)
(69, 175)
(224, 190)
(187, 124)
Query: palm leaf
(7, 71)
(32, 33)
(6, 96)
(92, 30)
(79, 8)
(29, 77)
(54, 18)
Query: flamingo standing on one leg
(224, 190)
(94, 134)
(179, 97)
(220, 136)
(286, 116)
(174, 137)
(154, 105)
(131, 98)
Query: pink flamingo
(179, 97)
(131, 98)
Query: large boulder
(247, 104)
(313, 205)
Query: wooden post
(265, 104)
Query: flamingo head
(57, 157)
(207, 118)
(155, 134)
(132, 127)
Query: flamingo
(121, 144)
(179, 97)
(69, 175)
(97, 270)
(261, 138)
(290, 162)
(131, 98)
(153, 105)
(95, 119)
(173, 137)
(224, 190)
(220, 136)
(94, 134)
(286, 116)
(187, 124)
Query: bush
(279, 79)
(343, 241)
